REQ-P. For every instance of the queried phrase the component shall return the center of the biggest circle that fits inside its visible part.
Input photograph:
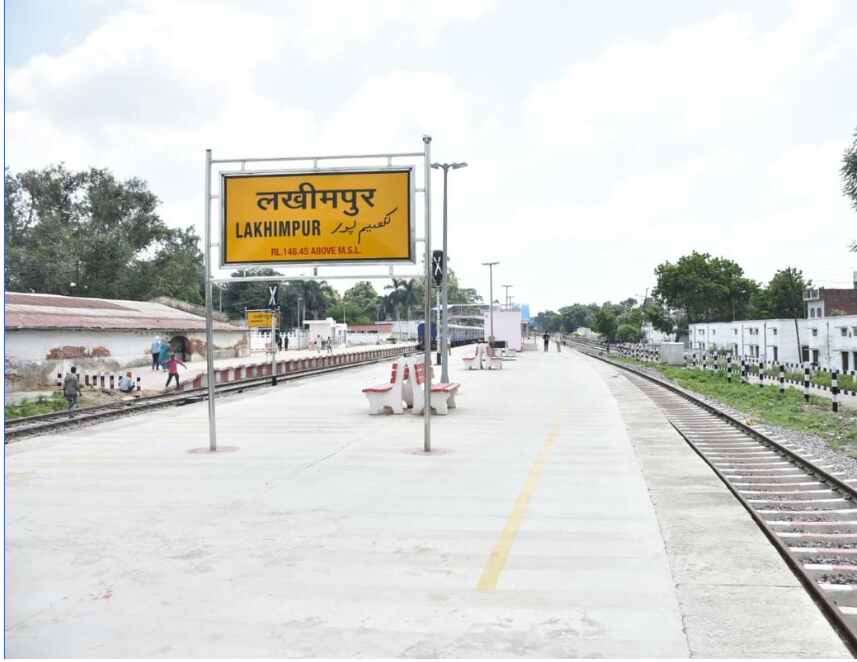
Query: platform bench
(386, 395)
(441, 398)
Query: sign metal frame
(412, 236)
(210, 279)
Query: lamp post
(444, 331)
(508, 299)
(490, 266)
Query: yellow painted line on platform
(498, 558)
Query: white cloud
(723, 135)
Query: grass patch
(37, 407)
(839, 430)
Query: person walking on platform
(156, 353)
(173, 367)
(286, 341)
(547, 340)
(164, 354)
(71, 390)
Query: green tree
(785, 294)
(707, 289)
(402, 299)
(457, 294)
(350, 312)
(849, 176)
(575, 316)
(241, 296)
(177, 270)
(316, 298)
(628, 333)
(605, 323)
(659, 318)
(547, 320)
(81, 233)
(364, 300)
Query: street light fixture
(443, 332)
(508, 298)
(490, 266)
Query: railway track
(33, 425)
(806, 508)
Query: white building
(47, 333)
(507, 327)
(829, 342)
(652, 336)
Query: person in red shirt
(173, 368)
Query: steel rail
(828, 607)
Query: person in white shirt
(156, 351)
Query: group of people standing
(163, 358)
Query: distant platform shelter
(47, 333)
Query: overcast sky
(603, 137)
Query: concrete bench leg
(376, 403)
(438, 403)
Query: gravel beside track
(804, 443)
(804, 500)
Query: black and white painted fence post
(782, 379)
(806, 384)
(112, 382)
(761, 372)
(139, 388)
(834, 389)
(729, 368)
(59, 380)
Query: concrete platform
(532, 533)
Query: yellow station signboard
(321, 216)
(259, 319)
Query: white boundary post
(209, 322)
(427, 301)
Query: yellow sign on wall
(329, 216)
(260, 319)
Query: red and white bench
(389, 394)
(474, 361)
(442, 395)
(492, 360)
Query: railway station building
(47, 334)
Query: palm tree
(402, 297)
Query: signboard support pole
(209, 321)
(427, 300)
(273, 350)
